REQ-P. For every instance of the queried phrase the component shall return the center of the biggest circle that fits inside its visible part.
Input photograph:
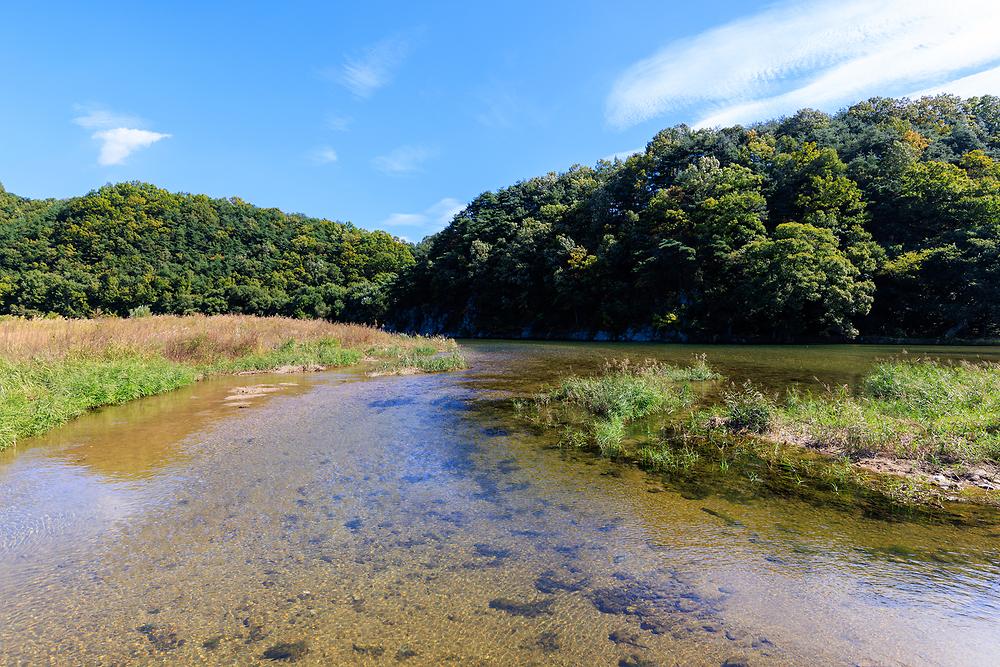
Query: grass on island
(925, 410)
(52, 370)
(419, 360)
(598, 410)
(808, 443)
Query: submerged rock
(660, 605)
(287, 651)
(489, 551)
(526, 609)
(405, 653)
(736, 662)
(626, 638)
(373, 650)
(548, 642)
(164, 638)
(548, 582)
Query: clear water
(414, 520)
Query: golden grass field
(189, 338)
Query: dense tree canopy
(133, 244)
(882, 219)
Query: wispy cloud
(339, 123)
(373, 68)
(502, 107)
(117, 133)
(981, 83)
(100, 117)
(444, 210)
(404, 160)
(323, 155)
(434, 218)
(814, 54)
(405, 220)
(623, 155)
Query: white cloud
(324, 155)
(404, 160)
(120, 142)
(974, 85)
(99, 117)
(433, 218)
(118, 134)
(816, 54)
(365, 73)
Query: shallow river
(413, 520)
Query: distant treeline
(131, 245)
(882, 219)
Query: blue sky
(392, 114)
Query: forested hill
(130, 245)
(883, 218)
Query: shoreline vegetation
(915, 433)
(53, 370)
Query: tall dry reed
(193, 338)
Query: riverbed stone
(373, 650)
(626, 638)
(549, 582)
(287, 651)
(405, 652)
(635, 660)
(163, 637)
(548, 642)
(490, 551)
(530, 609)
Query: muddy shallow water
(339, 519)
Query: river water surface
(338, 519)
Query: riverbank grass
(925, 410)
(38, 396)
(910, 419)
(54, 370)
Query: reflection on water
(136, 440)
(410, 520)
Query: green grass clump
(748, 409)
(662, 457)
(625, 392)
(396, 351)
(920, 410)
(39, 395)
(598, 410)
(608, 435)
(322, 352)
(419, 362)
